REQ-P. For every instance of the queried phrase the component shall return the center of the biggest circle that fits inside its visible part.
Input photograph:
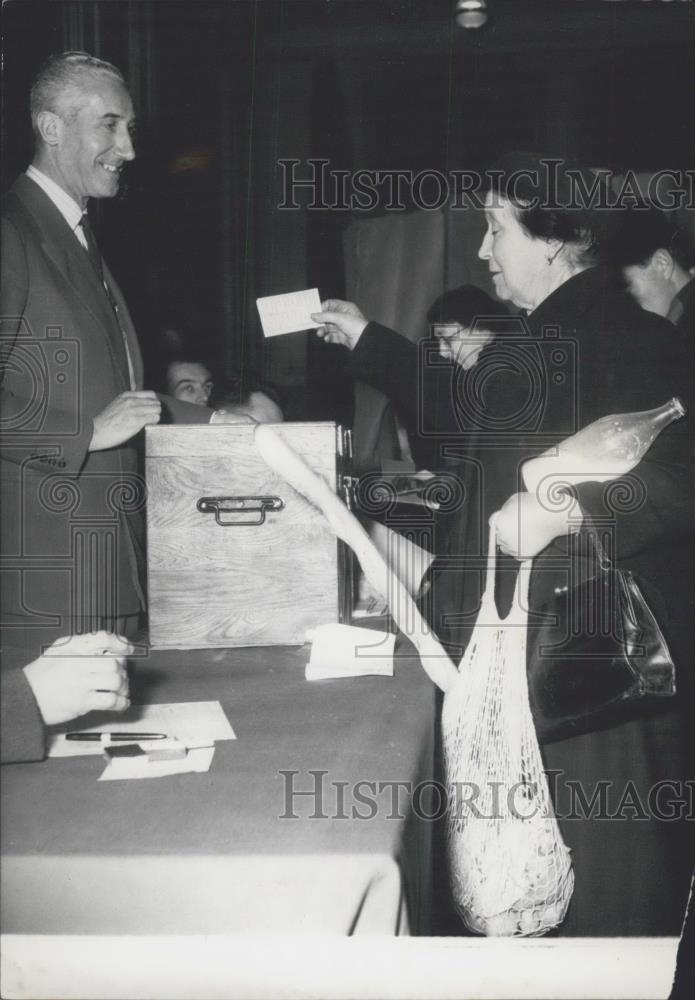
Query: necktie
(95, 257)
(92, 248)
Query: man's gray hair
(61, 74)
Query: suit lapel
(62, 247)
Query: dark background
(225, 89)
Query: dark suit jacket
(22, 732)
(73, 520)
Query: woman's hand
(342, 323)
(525, 527)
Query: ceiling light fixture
(472, 13)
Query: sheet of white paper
(195, 723)
(139, 767)
(288, 313)
(349, 651)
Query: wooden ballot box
(235, 556)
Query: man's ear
(49, 127)
(663, 263)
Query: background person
(189, 380)
(426, 395)
(461, 321)
(248, 396)
(656, 257)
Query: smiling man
(72, 397)
(71, 392)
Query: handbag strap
(519, 609)
(488, 607)
(518, 613)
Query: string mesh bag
(511, 872)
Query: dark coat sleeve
(420, 384)
(22, 733)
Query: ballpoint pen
(116, 737)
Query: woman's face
(518, 262)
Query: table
(191, 886)
(232, 851)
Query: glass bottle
(607, 448)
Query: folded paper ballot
(122, 768)
(349, 651)
(288, 313)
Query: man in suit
(72, 396)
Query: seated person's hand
(342, 322)
(525, 526)
(79, 674)
(124, 417)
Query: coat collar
(574, 297)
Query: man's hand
(124, 417)
(343, 323)
(79, 674)
(525, 527)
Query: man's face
(189, 381)
(95, 142)
(649, 287)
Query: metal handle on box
(239, 505)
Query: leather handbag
(596, 654)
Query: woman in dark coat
(585, 350)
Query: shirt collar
(67, 206)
